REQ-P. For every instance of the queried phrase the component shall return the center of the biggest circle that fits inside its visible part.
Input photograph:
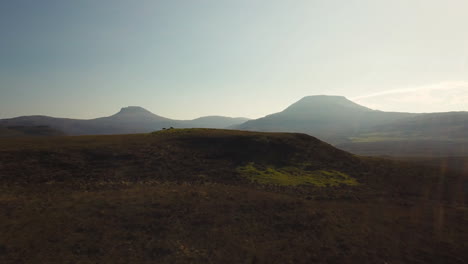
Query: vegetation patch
(377, 137)
(180, 131)
(293, 176)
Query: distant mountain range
(128, 120)
(361, 130)
(333, 119)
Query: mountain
(364, 131)
(128, 120)
(331, 118)
(136, 114)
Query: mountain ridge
(334, 119)
(129, 120)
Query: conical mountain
(325, 103)
(136, 114)
(330, 118)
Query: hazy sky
(184, 59)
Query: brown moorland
(222, 196)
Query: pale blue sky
(184, 59)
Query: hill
(212, 196)
(29, 131)
(331, 118)
(128, 120)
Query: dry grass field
(221, 196)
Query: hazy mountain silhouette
(429, 135)
(35, 131)
(330, 118)
(448, 125)
(216, 121)
(136, 114)
(364, 131)
(128, 120)
(333, 119)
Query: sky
(188, 58)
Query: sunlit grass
(293, 176)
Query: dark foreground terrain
(217, 196)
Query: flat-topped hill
(210, 155)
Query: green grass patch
(387, 136)
(377, 137)
(293, 176)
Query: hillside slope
(223, 156)
(222, 196)
(29, 131)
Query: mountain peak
(323, 96)
(133, 110)
(137, 113)
(325, 102)
(325, 99)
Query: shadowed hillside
(29, 131)
(222, 196)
